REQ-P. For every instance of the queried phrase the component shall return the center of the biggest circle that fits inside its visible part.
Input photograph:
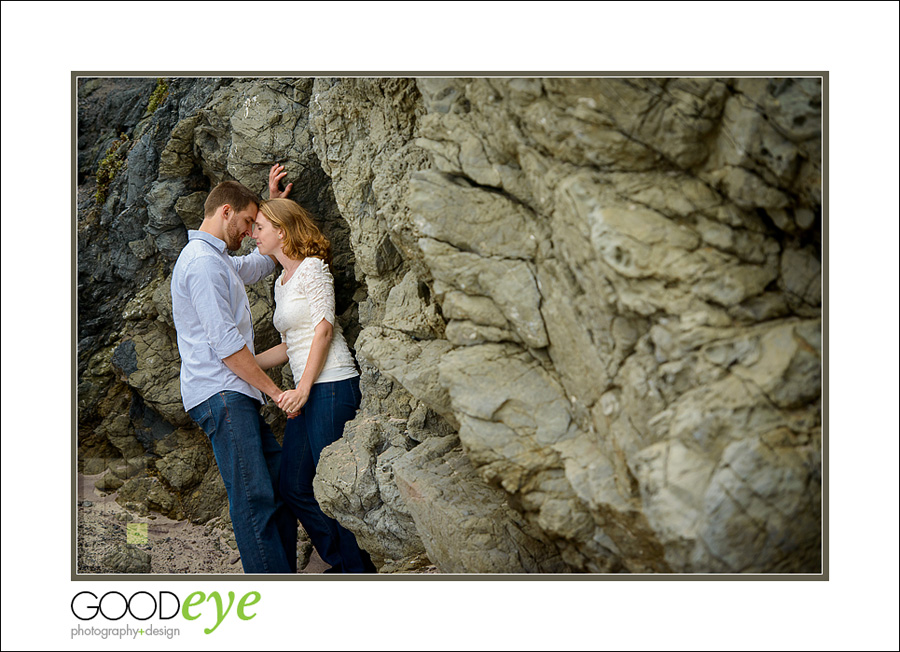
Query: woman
(327, 393)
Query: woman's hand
(276, 174)
(292, 400)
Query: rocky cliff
(587, 311)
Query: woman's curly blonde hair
(302, 238)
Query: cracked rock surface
(587, 311)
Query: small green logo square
(136, 533)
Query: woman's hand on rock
(276, 174)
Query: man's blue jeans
(320, 423)
(249, 458)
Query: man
(222, 386)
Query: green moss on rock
(110, 165)
(158, 96)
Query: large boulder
(628, 275)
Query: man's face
(239, 226)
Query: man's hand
(276, 174)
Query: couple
(223, 382)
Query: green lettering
(247, 603)
(190, 602)
(220, 616)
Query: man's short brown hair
(235, 194)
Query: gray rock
(452, 211)
(161, 209)
(208, 500)
(146, 493)
(801, 276)
(153, 370)
(182, 469)
(128, 468)
(354, 484)
(190, 209)
(510, 284)
(406, 310)
(143, 249)
(127, 559)
(177, 159)
(465, 525)
(410, 362)
(143, 159)
(106, 106)
(109, 482)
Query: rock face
(466, 525)
(588, 310)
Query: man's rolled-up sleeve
(208, 288)
(253, 267)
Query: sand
(174, 547)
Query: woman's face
(268, 238)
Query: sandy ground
(175, 547)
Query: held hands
(276, 174)
(292, 400)
(277, 399)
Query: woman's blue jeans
(320, 423)
(249, 459)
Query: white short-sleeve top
(300, 304)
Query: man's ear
(227, 211)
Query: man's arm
(207, 284)
(245, 367)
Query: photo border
(821, 576)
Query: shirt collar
(206, 237)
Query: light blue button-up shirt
(212, 315)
